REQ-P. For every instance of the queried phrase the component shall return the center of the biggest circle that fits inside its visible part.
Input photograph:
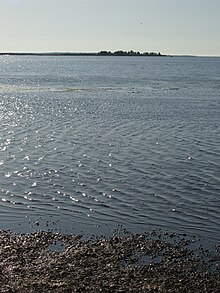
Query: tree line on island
(128, 53)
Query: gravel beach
(124, 262)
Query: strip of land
(101, 53)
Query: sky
(182, 27)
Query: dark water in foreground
(93, 142)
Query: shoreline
(123, 262)
(78, 54)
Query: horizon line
(99, 53)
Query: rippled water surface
(89, 142)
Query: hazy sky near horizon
(168, 26)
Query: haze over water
(92, 142)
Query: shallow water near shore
(89, 144)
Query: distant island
(128, 53)
(101, 53)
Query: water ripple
(141, 153)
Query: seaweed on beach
(121, 263)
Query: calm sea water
(92, 142)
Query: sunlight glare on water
(131, 142)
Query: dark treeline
(128, 53)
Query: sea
(95, 143)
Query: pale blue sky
(168, 26)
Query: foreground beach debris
(152, 262)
